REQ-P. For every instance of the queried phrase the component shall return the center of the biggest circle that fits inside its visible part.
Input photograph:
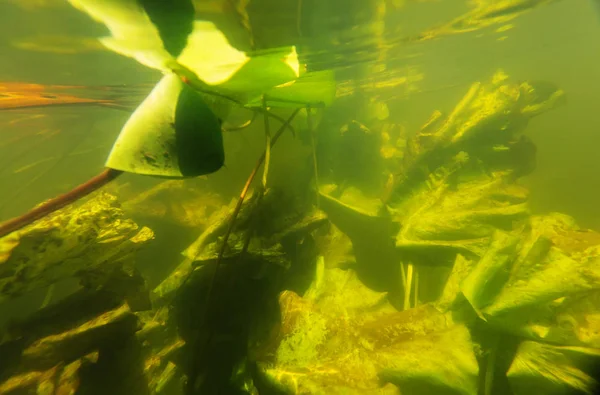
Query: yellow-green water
(414, 56)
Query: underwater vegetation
(312, 311)
(391, 262)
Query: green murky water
(429, 223)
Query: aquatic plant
(176, 131)
(445, 283)
(348, 306)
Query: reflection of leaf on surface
(58, 44)
(194, 49)
(31, 5)
(487, 13)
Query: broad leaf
(132, 32)
(164, 37)
(551, 370)
(173, 133)
(342, 338)
(542, 283)
(316, 88)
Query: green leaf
(132, 32)
(542, 283)
(210, 56)
(316, 89)
(173, 133)
(343, 338)
(159, 37)
(552, 370)
(261, 73)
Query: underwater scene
(285, 197)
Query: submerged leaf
(454, 191)
(460, 219)
(451, 295)
(546, 269)
(552, 370)
(342, 338)
(371, 236)
(491, 272)
(172, 134)
(543, 283)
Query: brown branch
(59, 202)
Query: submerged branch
(58, 202)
